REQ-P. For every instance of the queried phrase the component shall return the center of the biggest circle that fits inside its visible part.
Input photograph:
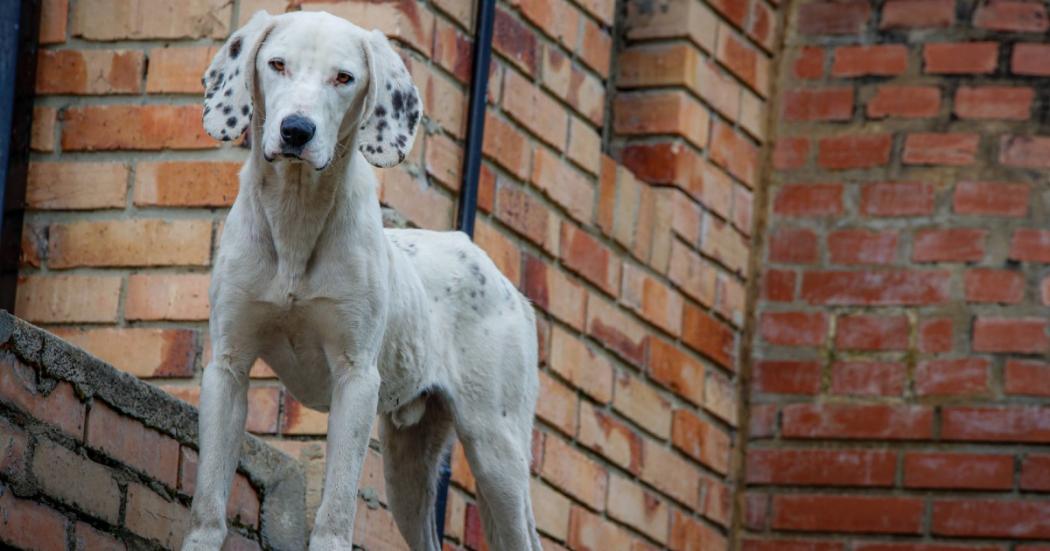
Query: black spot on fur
(413, 118)
(228, 92)
(379, 149)
(207, 109)
(380, 110)
(209, 95)
(226, 110)
(244, 110)
(237, 71)
(212, 73)
(388, 86)
(381, 125)
(235, 48)
(231, 122)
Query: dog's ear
(228, 95)
(392, 108)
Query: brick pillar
(900, 369)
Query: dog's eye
(344, 77)
(277, 65)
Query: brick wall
(900, 381)
(91, 458)
(639, 271)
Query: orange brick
(68, 298)
(178, 70)
(144, 507)
(631, 504)
(693, 20)
(144, 353)
(689, 534)
(662, 113)
(589, 531)
(676, 370)
(596, 48)
(76, 185)
(444, 160)
(709, 336)
(53, 17)
(585, 146)
(584, 254)
(452, 50)
(401, 20)
(300, 420)
(105, 20)
(580, 366)
(672, 475)
(535, 110)
(42, 134)
(586, 94)
(134, 242)
(652, 299)
(743, 60)
(605, 435)
(89, 72)
(504, 252)
(949, 58)
(558, 406)
(129, 441)
(642, 404)
(167, 297)
(421, 204)
(734, 152)
(616, 330)
(527, 216)
(726, 245)
(568, 469)
(702, 440)
(551, 510)
(558, 19)
(506, 145)
(186, 184)
(107, 127)
(567, 187)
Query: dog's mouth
(293, 155)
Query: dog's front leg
(224, 405)
(355, 392)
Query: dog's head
(315, 84)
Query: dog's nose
(296, 130)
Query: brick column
(899, 386)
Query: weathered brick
(897, 199)
(1012, 16)
(589, 531)
(854, 151)
(1025, 151)
(552, 290)
(805, 200)
(957, 471)
(134, 127)
(186, 184)
(563, 184)
(142, 352)
(638, 508)
(994, 102)
(676, 370)
(701, 440)
(576, 474)
(134, 242)
(243, 504)
(786, 377)
(27, 524)
(132, 443)
(914, 14)
(990, 285)
(861, 246)
(883, 287)
(95, 493)
(89, 72)
(1012, 519)
(793, 328)
(810, 467)
(821, 512)
(833, 18)
(154, 518)
(904, 101)
(1020, 335)
(870, 332)
(949, 377)
(868, 378)
(991, 198)
(68, 298)
(996, 424)
(864, 422)
(1029, 378)
(949, 245)
(940, 149)
(952, 58)
(581, 366)
(602, 433)
(819, 104)
(76, 185)
(879, 60)
(642, 404)
(1030, 59)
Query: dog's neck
(298, 204)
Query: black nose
(296, 130)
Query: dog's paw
(204, 540)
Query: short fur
(417, 326)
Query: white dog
(417, 326)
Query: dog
(416, 327)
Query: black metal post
(19, 30)
(468, 191)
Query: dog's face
(316, 84)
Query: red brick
(861, 422)
(581, 366)
(153, 517)
(524, 214)
(662, 113)
(809, 200)
(1027, 378)
(506, 145)
(25, 524)
(89, 72)
(793, 328)
(1019, 335)
(671, 474)
(880, 60)
(564, 185)
(130, 442)
(638, 508)
(530, 105)
(688, 534)
(786, 377)
(1030, 245)
(589, 531)
(1031, 59)
(90, 539)
(746, 62)
(883, 287)
(145, 352)
(935, 335)
(640, 402)
(702, 440)
(836, 18)
(940, 149)
(958, 471)
(910, 102)
(1025, 151)
(96, 491)
(820, 104)
(991, 518)
(243, 505)
(868, 378)
(584, 254)
(559, 409)
(596, 48)
(949, 245)
(790, 153)
(60, 407)
(834, 513)
(854, 151)
(809, 63)
(897, 199)
(733, 151)
(616, 330)
(989, 285)
(134, 127)
(996, 424)
(913, 14)
(793, 245)
(868, 332)
(708, 336)
(791, 545)
(952, 58)
(100, 20)
(1035, 472)
(992, 198)
(821, 467)
(859, 246)
(53, 17)
(575, 473)
(994, 102)
(951, 377)
(1012, 16)
(779, 285)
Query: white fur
(417, 326)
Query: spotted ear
(228, 97)
(392, 110)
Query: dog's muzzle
(296, 132)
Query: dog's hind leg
(411, 457)
(499, 459)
